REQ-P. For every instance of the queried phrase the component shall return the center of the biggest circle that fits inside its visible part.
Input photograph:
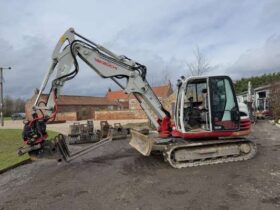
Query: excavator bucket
(142, 143)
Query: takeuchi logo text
(105, 63)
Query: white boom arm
(106, 64)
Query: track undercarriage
(180, 153)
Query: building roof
(262, 87)
(80, 100)
(163, 90)
(160, 91)
(116, 95)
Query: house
(162, 92)
(72, 107)
(260, 97)
(128, 101)
(169, 103)
(114, 105)
(132, 110)
(118, 97)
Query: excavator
(207, 127)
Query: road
(117, 177)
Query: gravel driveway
(117, 177)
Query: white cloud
(158, 34)
(258, 61)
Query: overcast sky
(240, 38)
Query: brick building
(75, 107)
(132, 109)
(170, 102)
(119, 97)
(162, 92)
(114, 105)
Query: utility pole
(2, 94)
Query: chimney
(109, 90)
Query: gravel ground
(117, 177)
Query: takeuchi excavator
(208, 127)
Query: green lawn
(10, 141)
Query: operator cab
(206, 104)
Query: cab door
(224, 107)
(178, 109)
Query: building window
(262, 94)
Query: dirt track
(117, 177)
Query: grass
(7, 118)
(10, 141)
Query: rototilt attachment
(57, 148)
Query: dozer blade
(141, 142)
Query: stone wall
(119, 115)
(68, 116)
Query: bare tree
(200, 65)
(162, 77)
(12, 105)
(165, 75)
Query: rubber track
(203, 162)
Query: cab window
(225, 114)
